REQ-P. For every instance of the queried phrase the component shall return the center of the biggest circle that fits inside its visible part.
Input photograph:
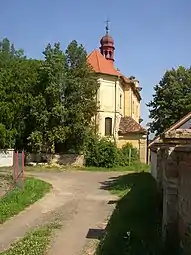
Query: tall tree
(48, 104)
(8, 51)
(80, 94)
(17, 78)
(9, 59)
(47, 110)
(172, 99)
(65, 101)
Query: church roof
(100, 64)
(129, 125)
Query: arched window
(108, 126)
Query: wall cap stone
(178, 134)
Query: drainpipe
(96, 114)
(139, 146)
(148, 147)
(131, 103)
(114, 126)
(115, 117)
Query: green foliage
(6, 137)
(17, 199)
(47, 110)
(129, 154)
(46, 105)
(134, 167)
(172, 99)
(103, 152)
(34, 243)
(80, 91)
(17, 77)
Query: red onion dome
(106, 39)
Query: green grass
(37, 168)
(45, 168)
(135, 167)
(17, 199)
(134, 227)
(34, 243)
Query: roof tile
(101, 64)
(129, 125)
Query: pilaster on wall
(170, 197)
(143, 150)
(174, 176)
(162, 155)
(159, 169)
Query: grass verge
(37, 168)
(134, 227)
(34, 243)
(17, 199)
(45, 168)
(135, 167)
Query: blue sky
(150, 36)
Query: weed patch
(17, 199)
(34, 243)
(134, 167)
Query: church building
(118, 99)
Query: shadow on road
(95, 233)
(135, 225)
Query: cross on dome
(107, 44)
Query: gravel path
(79, 202)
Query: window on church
(133, 110)
(120, 102)
(108, 126)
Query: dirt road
(80, 202)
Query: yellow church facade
(118, 99)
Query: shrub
(103, 152)
(100, 152)
(129, 154)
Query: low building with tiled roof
(118, 99)
(129, 125)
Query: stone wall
(61, 159)
(170, 197)
(174, 178)
(154, 164)
(184, 190)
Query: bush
(129, 154)
(103, 152)
(100, 152)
